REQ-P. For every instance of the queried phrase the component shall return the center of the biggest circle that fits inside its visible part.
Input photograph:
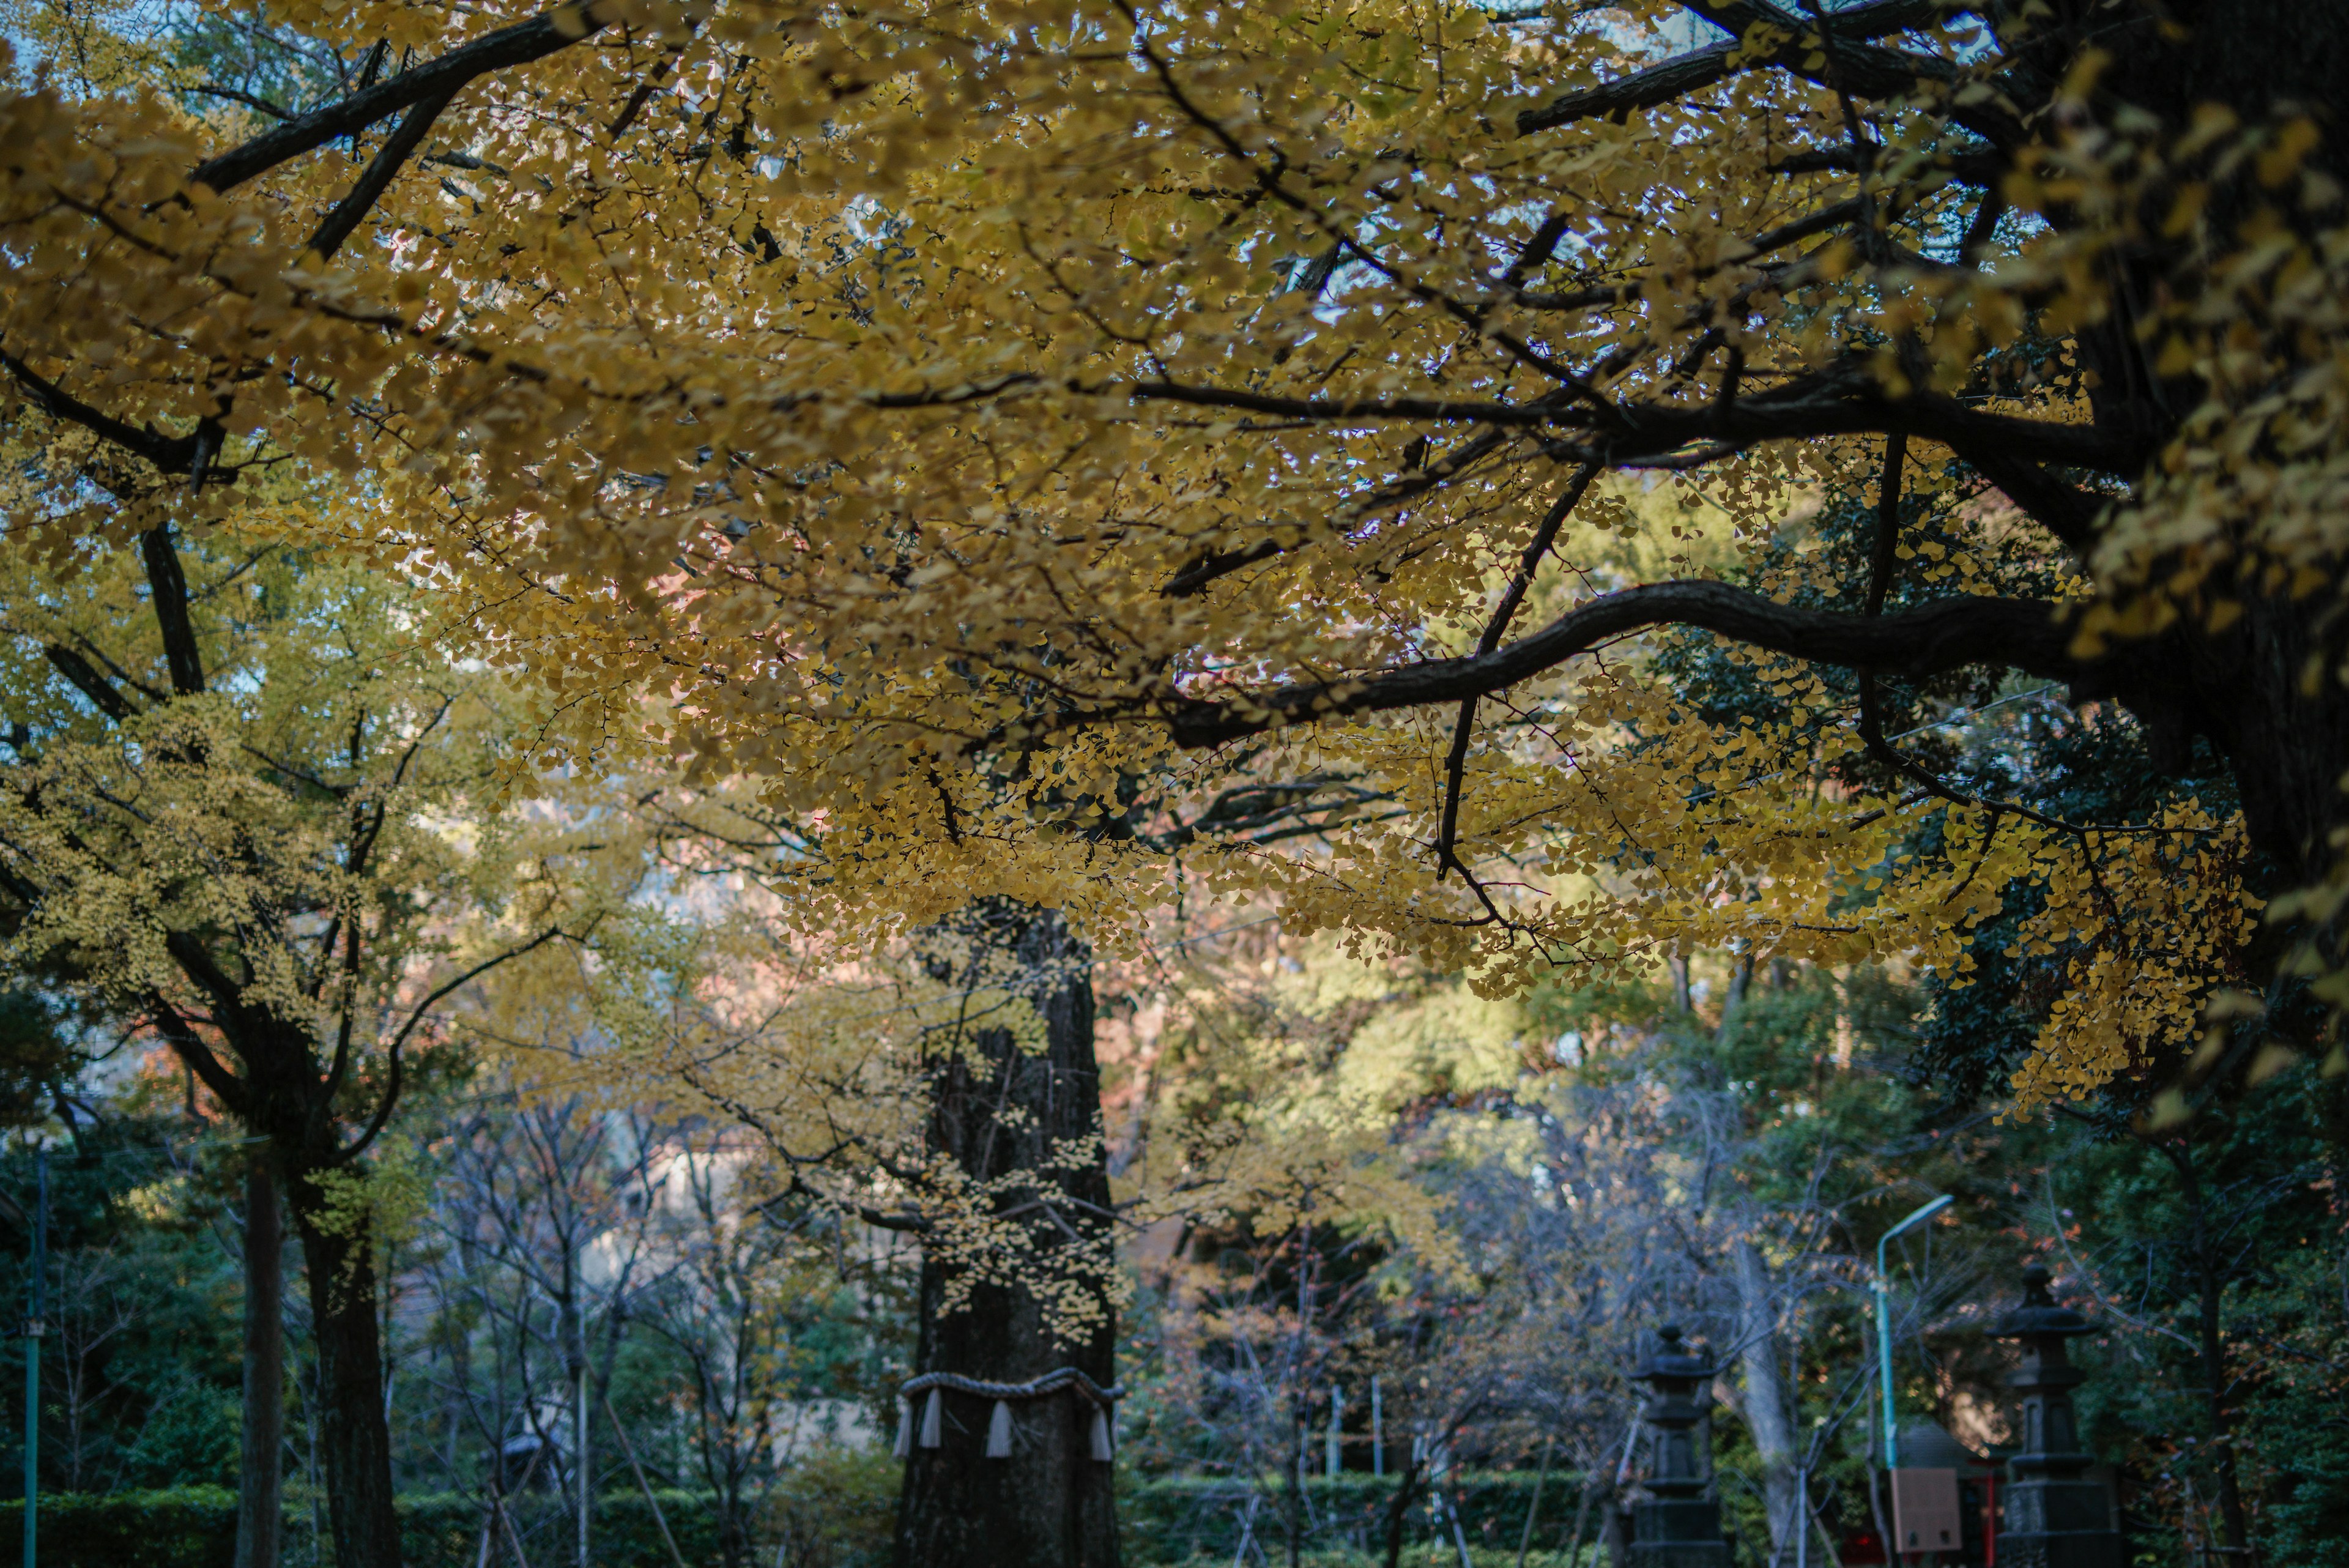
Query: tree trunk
(355, 1440)
(264, 1438)
(1406, 1490)
(2234, 1521)
(1770, 1418)
(1740, 980)
(1023, 1120)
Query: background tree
(227, 812)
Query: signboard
(1925, 1511)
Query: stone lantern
(2056, 1516)
(1677, 1525)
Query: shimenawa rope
(999, 1427)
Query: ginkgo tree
(248, 806)
(1026, 436)
(964, 412)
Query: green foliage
(139, 1367)
(195, 1526)
(847, 1503)
(183, 1527)
(838, 1508)
(2259, 1226)
(1187, 1519)
(35, 1056)
(190, 1438)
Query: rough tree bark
(1017, 1118)
(263, 1438)
(2218, 1382)
(355, 1443)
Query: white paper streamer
(1102, 1449)
(932, 1418)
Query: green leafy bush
(188, 1438)
(839, 1509)
(1178, 1519)
(178, 1527)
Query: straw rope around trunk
(999, 1427)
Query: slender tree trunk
(1769, 1414)
(353, 1440)
(1615, 1534)
(1407, 1486)
(1023, 1117)
(1740, 980)
(1292, 1489)
(2233, 1520)
(257, 1490)
(1573, 1545)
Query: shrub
(839, 1509)
(1177, 1518)
(178, 1527)
(188, 1438)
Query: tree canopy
(1039, 440)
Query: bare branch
(88, 682)
(440, 993)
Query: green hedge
(195, 1527)
(443, 1530)
(185, 1527)
(840, 1511)
(1175, 1519)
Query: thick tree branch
(2064, 510)
(178, 1033)
(545, 33)
(227, 997)
(2021, 634)
(396, 150)
(1658, 83)
(1875, 72)
(1852, 66)
(1455, 764)
(169, 588)
(1833, 403)
(172, 454)
(88, 682)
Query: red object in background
(1860, 1548)
(1990, 1521)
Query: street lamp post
(33, 1328)
(1884, 1322)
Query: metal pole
(34, 1327)
(1884, 1361)
(1802, 1516)
(586, 1480)
(1378, 1437)
(1331, 1462)
(1884, 1322)
(586, 1477)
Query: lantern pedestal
(1678, 1526)
(2056, 1517)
